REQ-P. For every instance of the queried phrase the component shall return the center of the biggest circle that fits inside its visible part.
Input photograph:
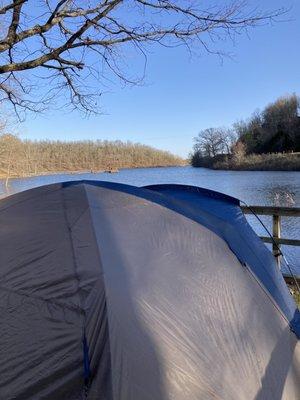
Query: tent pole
(276, 235)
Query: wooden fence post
(276, 235)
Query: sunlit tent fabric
(113, 292)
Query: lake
(253, 187)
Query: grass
(295, 293)
(252, 162)
(263, 162)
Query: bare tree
(9, 155)
(76, 45)
(229, 138)
(238, 152)
(213, 141)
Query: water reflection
(281, 196)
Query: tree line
(26, 157)
(275, 129)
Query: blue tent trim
(86, 361)
(295, 323)
(212, 194)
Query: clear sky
(182, 95)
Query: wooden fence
(276, 213)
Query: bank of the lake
(251, 162)
(109, 170)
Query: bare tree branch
(15, 3)
(70, 40)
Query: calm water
(253, 187)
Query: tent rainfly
(114, 292)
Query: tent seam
(266, 292)
(78, 289)
(104, 288)
(54, 302)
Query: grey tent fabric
(222, 214)
(114, 292)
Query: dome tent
(115, 292)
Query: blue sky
(182, 95)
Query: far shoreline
(86, 171)
(116, 171)
(253, 162)
(246, 170)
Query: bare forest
(25, 157)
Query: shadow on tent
(136, 370)
(279, 365)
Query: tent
(114, 292)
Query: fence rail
(276, 213)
